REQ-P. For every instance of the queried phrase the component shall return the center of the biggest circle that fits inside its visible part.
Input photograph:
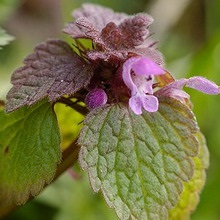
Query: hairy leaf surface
(29, 151)
(90, 20)
(53, 70)
(189, 198)
(140, 162)
(116, 35)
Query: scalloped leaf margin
(189, 198)
(140, 162)
(51, 71)
(29, 152)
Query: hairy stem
(70, 156)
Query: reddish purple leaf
(116, 35)
(135, 30)
(53, 70)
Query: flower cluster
(124, 40)
(122, 65)
(138, 74)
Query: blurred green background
(189, 36)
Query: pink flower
(138, 75)
(199, 83)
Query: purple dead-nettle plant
(123, 53)
(140, 142)
(124, 40)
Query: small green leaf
(189, 198)
(140, 162)
(4, 38)
(29, 151)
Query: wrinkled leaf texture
(53, 70)
(189, 198)
(29, 152)
(115, 34)
(140, 163)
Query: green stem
(74, 105)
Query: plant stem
(74, 105)
(70, 156)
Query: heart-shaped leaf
(53, 70)
(29, 152)
(140, 162)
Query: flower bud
(96, 98)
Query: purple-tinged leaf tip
(53, 70)
(115, 35)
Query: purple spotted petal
(96, 98)
(138, 74)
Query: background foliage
(189, 35)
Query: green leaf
(139, 162)
(4, 38)
(189, 198)
(29, 152)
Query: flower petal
(146, 66)
(173, 90)
(150, 103)
(203, 85)
(126, 74)
(141, 66)
(135, 104)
